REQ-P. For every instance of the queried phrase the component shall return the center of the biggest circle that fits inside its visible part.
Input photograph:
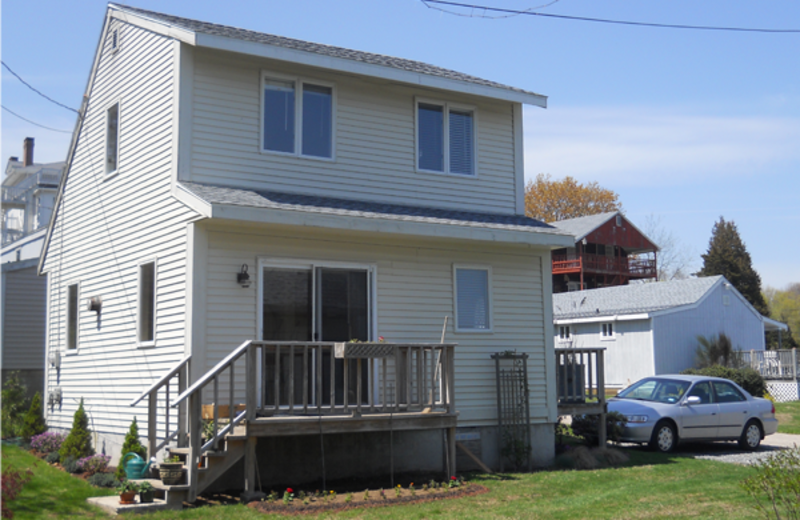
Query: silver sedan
(665, 410)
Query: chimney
(27, 147)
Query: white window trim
(569, 334)
(613, 334)
(72, 351)
(298, 81)
(489, 297)
(154, 261)
(113, 173)
(447, 106)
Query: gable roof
(581, 227)
(637, 298)
(337, 58)
(223, 201)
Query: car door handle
(744, 412)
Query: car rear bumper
(770, 426)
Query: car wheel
(664, 438)
(751, 436)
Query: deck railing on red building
(636, 267)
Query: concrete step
(112, 506)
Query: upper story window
(564, 334)
(473, 299)
(147, 303)
(72, 317)
(297, 117)
(112, 139)
(114, 40)
(445, 138)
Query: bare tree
(675, 258)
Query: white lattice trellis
(783, 391)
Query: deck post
(152, 439)
(183, 376)
(195, 431)
(794, 363)
(250, 465)
(451, 452)
(601, 391)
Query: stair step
(185, 451)
(157, 484)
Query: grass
(649, 486)
(788, 415)
(51, 493)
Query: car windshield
(658, 390)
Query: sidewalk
(781, 440)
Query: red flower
(452, 478)
(289, 490)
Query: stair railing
(180, 371)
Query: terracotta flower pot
(127, 497)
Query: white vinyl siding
(414, 293)
(103, 230)
(374, 141)
(473, 299)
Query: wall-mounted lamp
(242, 277)
(55, 358)
(55, 397)
(94, 303)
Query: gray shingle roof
(582, 226)
(631, 299)
(316, 48)
(355, 208)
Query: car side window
(727, 393)
(703, 391)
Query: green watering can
(135, 467)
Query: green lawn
(788, 415)
(51, 493)
(650, 486)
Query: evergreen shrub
(14, 405)
(33, 423)
(747, 378)
(131, 444)
(70, 465)
(78, 443)
(105, 480)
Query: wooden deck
(580, 383)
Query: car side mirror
(692, 399)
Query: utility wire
(34, 89)
(34, 123)
(514, 12)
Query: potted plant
(146, 492)
(171, 470)
(127, 492)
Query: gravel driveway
(730, 452)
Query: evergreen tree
(33, 423)
(728, 256)
(14, 405)
(78, 443)
(131, 444)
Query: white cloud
(646, 146)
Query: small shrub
(747, 378)
(48, 442)
(33, 422)
(104, 480)
(587, 426)
(14, 405)
(52, 457)
(12, 483)
(776, 485)
(131, 444)
(70, 465)
(78, 443)
(94, 464)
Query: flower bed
(292, 503)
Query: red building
(609, 250)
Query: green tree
(78, 443)
(14, 405)
(727, 256)
(131, 444)
(34, 424)
(784, 306)
(548, 200)
(716, 350)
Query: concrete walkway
(781, 440)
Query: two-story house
(609, 250)
(236, 203)
(29, 191)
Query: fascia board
(603, 319)
(156, 26)
(378, 225)
(22, 264)
(365, 69)
(191, 200)
(776, 325)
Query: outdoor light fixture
(243, 278)
(94, 304)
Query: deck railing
(316, 378)
(771, 364)
(580, 376)
(638, 267)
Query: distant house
(608, 251)
(652, 328)
(29, 191)
(236, 203)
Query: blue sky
(686, 126)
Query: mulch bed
(339, 502)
